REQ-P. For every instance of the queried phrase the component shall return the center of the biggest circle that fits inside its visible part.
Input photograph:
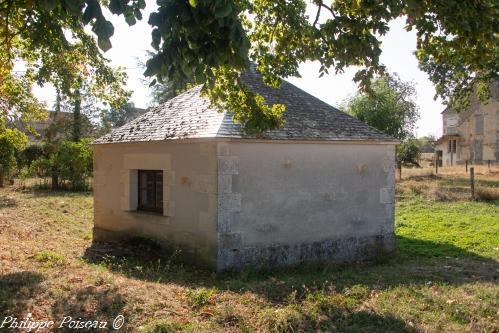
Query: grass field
(444, 277)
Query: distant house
(319, 189)
(472, 135)
(61, 120)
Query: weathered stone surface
(225, 184)
(337, 250)
(230, 240)
(205, 184)
(230, 202)
(386, 195)
(228, 165)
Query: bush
(10, 141)
(40, 168)
(27, 156)
(73, 162)
(200, 297)
(408, 153)
(70, 161)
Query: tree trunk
(55, 181)
(77, 116)
(58, 102)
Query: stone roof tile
(189, 116)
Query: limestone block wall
(284, 203)
(488, 135)
(189, 219)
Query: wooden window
(451, 146)
(150, 190)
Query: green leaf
(193, 3)
(48, 5)
(156, 39)
(74, 6)
(104, 44)
(130, 19)
(104, 29)
(153, 66)
(92, 10)
(222, 12)
(116, 7)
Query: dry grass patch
(442, 279)
(487, 193)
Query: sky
(131, 43)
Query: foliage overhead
(212, 41)
(49, 40)
(389, 107)
(113, 118)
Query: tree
(52, 44)
(71, 161)
(164, 90)
(408, 153)
(10, 141)
(427, 144)
(113, 118)
(389, 107)
(25, 157)
(212, 41)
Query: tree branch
(317, 15)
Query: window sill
(147, 212)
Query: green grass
(443, 277)
(456, 229)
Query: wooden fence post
(466, 166)
(436, 166)
(1, 175)
(400, 171)
(472, 182)
(488, 164)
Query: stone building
(472, 135)
(319, 189)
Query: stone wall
(284, 203)
(479, 130)
(189, 193)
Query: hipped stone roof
(189, 116)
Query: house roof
(447, 110)
(189, 116)
(446, 137)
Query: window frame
(154, 208)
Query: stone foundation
(339, 251)
(201, 256)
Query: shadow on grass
(7, 202)
(100, 303)
(41, 192)
(416, 262)
(15, 290)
